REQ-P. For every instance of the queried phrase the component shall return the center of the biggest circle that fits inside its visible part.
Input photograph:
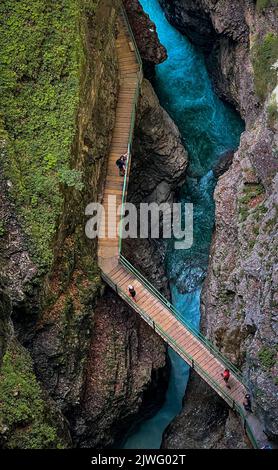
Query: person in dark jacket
(247, 403)
(132, 292)
(121, 164)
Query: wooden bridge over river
(189, 343)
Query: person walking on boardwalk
(226, 375)
(247, 403)
(132, 292)
(121, 164)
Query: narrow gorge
(79, 368)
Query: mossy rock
(42, 58)
(263, 4)
(264, 56)
(27, 420)
(267, 357)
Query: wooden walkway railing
(189, 343)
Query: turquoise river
(208, 127)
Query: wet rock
(223, 163)
(159, 159)
(15, 261)
(223, 30)
(151, 50)
(204, 423)
(126, 378)
(190, 19)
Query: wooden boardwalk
(148, 305)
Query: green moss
(23, 412)
(256, 229)
(264, 56)
(250, 192)
(42, 58)
(276, 380)
(2, 228)
(251, 243)
(272, 113)
(270, 224)
(267, 357)
(243, 213)
(259, 211)
(262, 4)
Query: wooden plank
(121, 276)
(115, 277)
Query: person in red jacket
(226, 376)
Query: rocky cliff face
(159, 158)
(205, 422)
(126, 375)
(151, 50)
(239, 304)
(73, 327)
(226, 31)
(63, 331)
(29, 418)
(52, 311)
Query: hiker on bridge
(132, 292)
(247, 403)
(226, 375)
(121, 164)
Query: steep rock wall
(239, 305)
(80, 316)
(226, 31)
(151, 50)
(63, 331)
(126, 375)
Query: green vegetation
(250, 192)
(41, 56)
(267, 357)
(272, 112)
(23, 412)
(2, 228)
(262, 4)
(264, 56)
(243, 212)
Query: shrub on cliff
(25, 418)
(264, 57)
(262, 4)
